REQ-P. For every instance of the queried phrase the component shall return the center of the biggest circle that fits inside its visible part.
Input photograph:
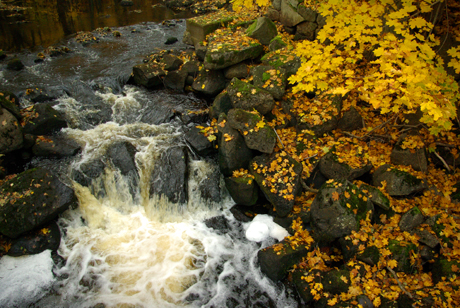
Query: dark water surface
(33, 23)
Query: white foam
(24, 279)
(262, 227)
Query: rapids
(123, 248)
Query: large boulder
(282, 58)
(242, 189)
(199, 27)
(11, 137)
(398, 183)
(175, 80)
(148, 75)
(417, 158)
(10, 102)
(337, 209)
(255, 130)
(198, 142)
(209, 82)
(275, 261)
(270, 79)
(32, 199)
(122, 156)
(278, 176)
(248, 97)
(289, 16)
(36, 241)
(59, 146)
(221, 104)
(226, 48)
(170, 175)
(233, 153)
(42, 119)
(331, 168)
(263, 30)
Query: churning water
(122, 247)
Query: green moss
(407, 177)
(251, 28)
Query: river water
(124, 248)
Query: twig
(447, 145)
(381, 125)
(308, 188)
(442, 160)
(399, 282)
(279, 138)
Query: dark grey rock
(233, 154)
(351, 120)
(275, 263)
(416, 158)
(175, 80)
(306, 30)
(307, 13)
(122, 155)
(427, 238)
(15, 64)
(222, 104)
(209, 82)
(171, 40)
(411, 219)
(399, 183)
(332, 211)
(148, 75)
(42, 119)
(171, 62)
(332, 169)
(243, 190)
(11, 137)
(289, 15)
(260, 139)
(248, 97)
(239, 70)
(170, 175)
(36, 241)
(32, 199)
(270, 79)
(198, 142)
(58, 146)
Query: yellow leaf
(332, 301)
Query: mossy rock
(199, 27)
(376, 196)
(444, 268)
(370, 255)
(276, 43)
(243, 190)
(249, 97)
(402, 255)
(283, 58)
(399, 183)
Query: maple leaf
(332, 301)
(335, 196)
(392, 263)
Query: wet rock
(316, 179)
(2, 55)
(191, 68)
(270, 79)
(302, 286)
(40, 95)
(11, 137)
(221, 104)
(275, 261)
(273, 14)
(32, 199)
(171, 62)
(221, 55)
(411, 219)
(148, 75)
(42, 119)
(337, 209)
(233, 154)
(200, 51)
(59, 146)
(175, 80)
(243, 190)
(282, 58)
(36, 241)
(365, 302)
(239, 70)
(170, 175)
(10, 102)
(248, 97)
(218, 223)
(209, 186)
(256, 132)
(88, 171)
(198, 142)
(351, 120)
(332, 169)
(209, 82)
(399, 183)
(122, 156)
(289, 15)
(278, 176)
(416, 158)
(15, 64)
(171, 40)
(263, 30)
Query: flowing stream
(123, 248)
